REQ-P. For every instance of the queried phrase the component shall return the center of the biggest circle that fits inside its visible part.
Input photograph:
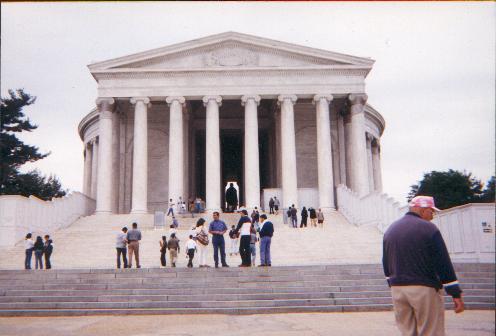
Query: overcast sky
(433, 80)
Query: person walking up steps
(190, 250)
(174, 249)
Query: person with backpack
(202, 241)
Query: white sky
(433, 80)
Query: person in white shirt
(201, 237)
(29, 246)
(190, 250)
(170, 211)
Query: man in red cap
(417, 265)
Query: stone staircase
(89, 243)
(255, 290)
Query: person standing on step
(231, 198)
(304, 216)
(120, 246)
(190, 250)
(266, 233)
(313, 217)
(417, 265)
(47, 251)
(253, 244)
(277, 204)
(271, 206)
(233, 238)
(174, 249)
(29, 248)
(255, 217)
(244, 228)
(217, 228)
(201, 238)
(320, 218)
(133, 237)
(38, 252)
(163, 250)
(294, 216)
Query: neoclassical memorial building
(185, 120)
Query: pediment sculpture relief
(231, 58)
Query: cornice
(376, 117)
(87, 121)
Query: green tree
(14, 153)
(488, 194)
(449, 188)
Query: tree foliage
(14, 153)
(453, 188)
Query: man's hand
(459, 305)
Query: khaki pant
(133, 248)
(419, 310)
(173, 256)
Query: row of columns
(356, 152)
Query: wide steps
(331, 288)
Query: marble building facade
(184, 120)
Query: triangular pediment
(232, 50)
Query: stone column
(251, 166)
(104, 186)
(347, 145)
(88, 156)
(358, 148)
(376, 162)
(139, 200)
(342, 150)
(370, 166)
(176, 148)
(324, 152)
(212, 188)
(288, 151)
(94, 167)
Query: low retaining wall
(20, 215)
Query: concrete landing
(469, 323)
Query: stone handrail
(375, 209)
(20, 215)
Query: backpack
(202, 238)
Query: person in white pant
(201, 242)
(234, 238)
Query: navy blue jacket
(267, 229)
(414, 253)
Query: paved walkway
(470, 323)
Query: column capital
(180, 99)
(145, 100)
(369, 137)
(283, 97)
(358, 98)
(245, 98)
(217, 99)
(319, 97)
(105, 104)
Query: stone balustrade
(20, 215)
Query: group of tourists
(249, 230)
(40, 248)
(316, 217)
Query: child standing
(234, 237)
(190, 250)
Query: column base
(138, 212)
(103, 212)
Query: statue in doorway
(231, 198)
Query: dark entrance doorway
(231, 155)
